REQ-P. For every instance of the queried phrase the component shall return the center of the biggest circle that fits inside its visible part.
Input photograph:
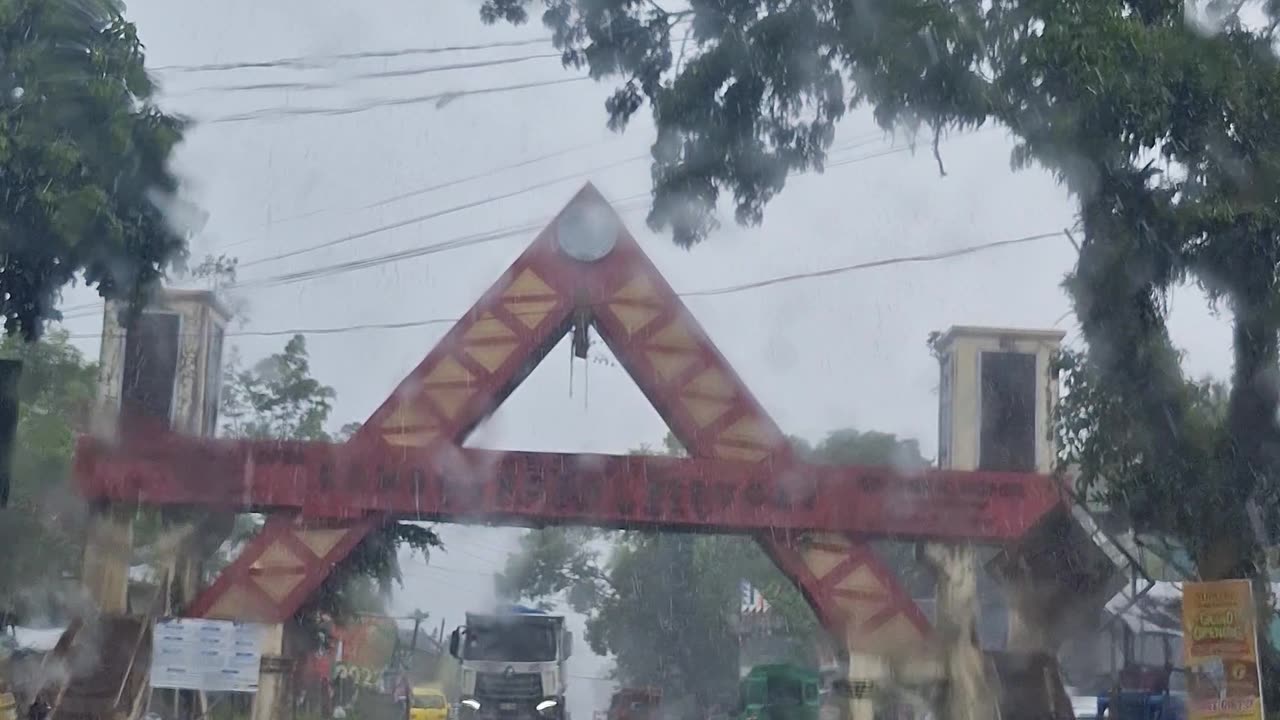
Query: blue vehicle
(1146, 693)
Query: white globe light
(588, 231)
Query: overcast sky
(820, 354)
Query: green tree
(664, 604)
(278, 398)
(87, 189)
(1159, 125)
(38, 530)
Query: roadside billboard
(209, 655)
(1220, 641)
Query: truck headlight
(546, 705)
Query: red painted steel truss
(407, 461)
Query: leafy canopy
(1158, 116)
(83, 159)
(277, 397)
(39, 529)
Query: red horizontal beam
(347, 481)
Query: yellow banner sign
(1220, 641)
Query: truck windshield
(511, 642)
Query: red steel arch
(407, 460)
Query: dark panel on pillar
(1008, 430)
(150, 370)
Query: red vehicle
(635, 704)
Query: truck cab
(512, 665)
(780, 692)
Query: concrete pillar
(996, 402)
(108, 550)
(161, 374)
(866, 674)
(968, 694)
(274, 700)
(1029, 630)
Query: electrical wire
(711, 292)
(456, 243)
(929, 257)
(577, 175)
(416, 192)
(380, 75)
(859, 141)
(430, 216)
(439, 98)
(309, 62)
(623, 206)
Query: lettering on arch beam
(337, 482)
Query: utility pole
(418, 617)
(410, 662)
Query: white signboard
(209, 655)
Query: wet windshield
(928, 350)
(429, 702)
(510, 642)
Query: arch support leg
(278, 570)
(968, 693)
(108, 549)
(862, 605)
(268, 582)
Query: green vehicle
(780, 692)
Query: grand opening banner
(1220, 641)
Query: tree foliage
(85, 154)
(39, 528)
(278, 398)
(1156, 115)
(665, 605)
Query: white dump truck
(512, 665)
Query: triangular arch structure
(545, 294)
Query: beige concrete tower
(996, 395)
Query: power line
(440, 99)
(930, 257)
(337, 268)
(434, 214)
(456, 243)
(858, 141)
(309, 62)
(465, 241)
(622, 205)
(437, 186)
(712, 292)
(577, 175)
(380, 75)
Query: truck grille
(517, 686)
